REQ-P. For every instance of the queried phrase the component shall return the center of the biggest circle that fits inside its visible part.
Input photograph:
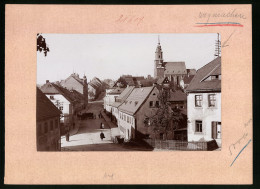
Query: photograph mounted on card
(107, 94)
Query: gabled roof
(95, 83)
(187, 79)
(197, 83)
(117, 90)
(135, 100)
(45, 109)
(191, 71)
(123, 96)
(178, 95)
(175, 68)
(162, 80)
(75, 77)
(70, 95)
(48, 88)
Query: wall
(67, 109)
(126, 124)
(48, 141)
(109, 99)
(72, 83)
(205, 114)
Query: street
(87, 136)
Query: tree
(165, 120)
(42, 45)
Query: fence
(177, 145)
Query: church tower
(158, 62)
(85, 90)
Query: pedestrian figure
(102, 135)
(68, 136)
(102, 126)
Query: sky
(108, 56)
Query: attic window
(136, 102)
(153, 93)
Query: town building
(139, 105)
(47, 124)
(204, 103)
(175, 71)
(119, 100)
(74, 82)
(67, 101)
(110, 98)
(94, 88)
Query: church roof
(135, 100)
(175, 68)
(45, 109)
(199, 83)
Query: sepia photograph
(128, 92)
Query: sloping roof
(135, 100)
(162, 80)
(130, 81)
(123, 96)
(117, 90)
(175, 68)
(213, 67)
(191, 71)
(95, 83)
(187, 79)
(70, 95)
(178, 95)
(45, 109)
(48, 88)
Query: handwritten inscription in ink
(109, 176)
(130, 19)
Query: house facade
(110, 98)
(67, 101)
(204, 103)
(139, 105)
(74, 82)
(47, 124)
(119, 100)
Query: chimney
(47, 81)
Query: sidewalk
(108, 120)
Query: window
(56, 123)
(127, 119)
(39, 131)
(212, 100)
(157, 103)
(124, 118)
(45, 127)
(198, 100)
(51, 125)
(52, 97)
(198, 126)
(182, 107)
(151, 104)
(61, 108)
